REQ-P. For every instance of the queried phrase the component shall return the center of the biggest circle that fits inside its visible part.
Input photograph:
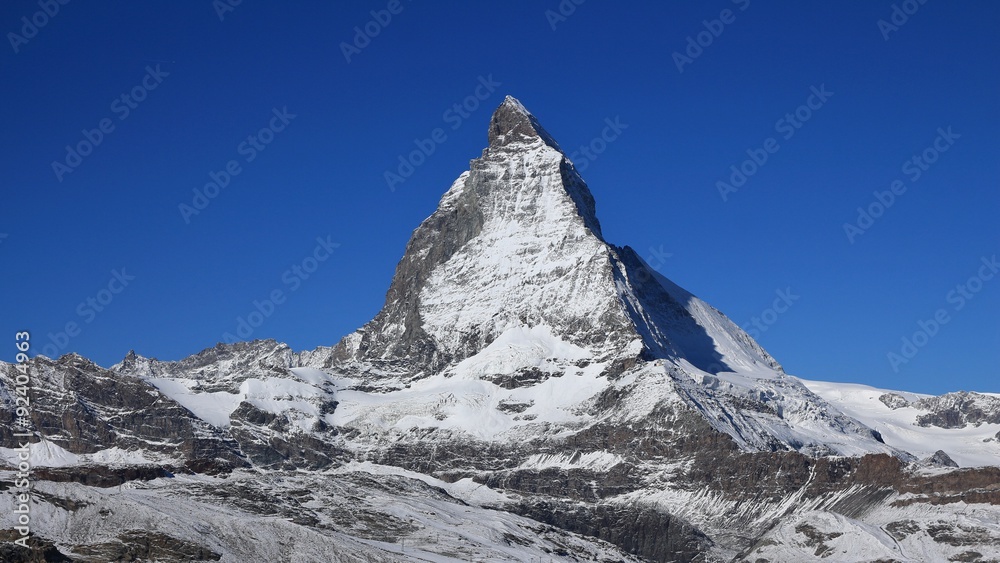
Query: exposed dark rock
(654, 535)
(142, 545)
(942, 459)
(271, 448)
(576, 484)
(39, 550)
(101, 475)
(84, 409)
(817, 539)
(67, 504)
(959, 535)
(512, 123)
(894, 400)
(514, 407)
(522, 378)
(958, 410)
(214, 366)
(902, 528)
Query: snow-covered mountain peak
(516, 244)
(513, 123)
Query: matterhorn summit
(528, 391)
(515, 244)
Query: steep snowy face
(515, 243)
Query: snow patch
(595, 461)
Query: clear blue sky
(322, 174)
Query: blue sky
(99, 240)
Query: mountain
(516, 243)
(528, 390)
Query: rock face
(942, 459)
(894, 400)
(958, 410)
(84, 409)
(528, 391)
(217, 368)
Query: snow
(600, 461)
(297, 398)
(464, 489)
(214, 408)
(812, 535)
(41, 454)
(49, 454)
(314, 376)
(967, 446)
(469, 405)
(459, 399)
(534, 261)
(517, 348)
(388, 520)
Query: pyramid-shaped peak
(512, 122)
(515, 244)
(513, 104)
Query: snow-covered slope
(961, 534)
(896, 415)
(357, 514)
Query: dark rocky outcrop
(894, 400)
(957, 410)
(84, 408)
(942, 459)
(40, 550)
(652, 534)
(102, 475)
(142, 545)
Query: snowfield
(972, 446)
